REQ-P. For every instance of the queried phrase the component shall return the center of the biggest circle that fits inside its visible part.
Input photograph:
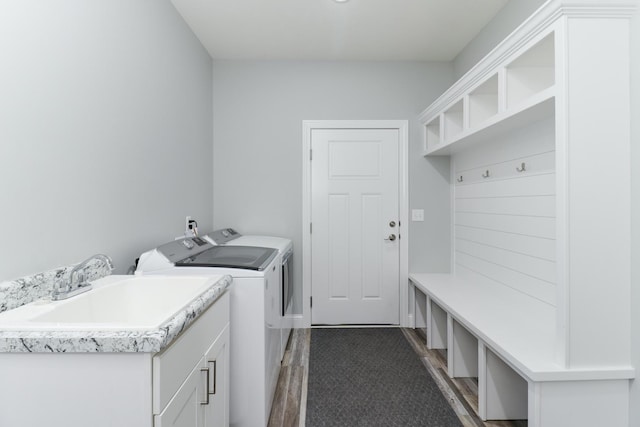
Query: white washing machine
(255, 336)
(230, 237)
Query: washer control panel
(223, 235)
(182, 248)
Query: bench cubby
(437, 324)
(504, 392)
(462, 355)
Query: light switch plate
(417, 214)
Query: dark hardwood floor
(289, 403)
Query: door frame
(403, 207)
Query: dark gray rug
(371, 377)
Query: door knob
(392, 224)
(391, 237)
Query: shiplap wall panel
(505, 222)
(535, 163)
(531, 140)
(536, 288)
(539, 247)
(524, 205)
(524, 185)
(535, 267)
(526, 225)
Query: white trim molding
(403, 130)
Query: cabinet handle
(206, 393)
(215, 376)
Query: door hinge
(310, 227)
(310, 301)
(310, 154)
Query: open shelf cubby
(453, 120)
(531, 73)
(432, 133)
(483, 102)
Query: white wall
(258, 112)
(505, 21)
(105, 131)
(635, 218)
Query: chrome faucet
(81, 285)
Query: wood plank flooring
(289, 402)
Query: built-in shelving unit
(520, 90)
(540, 217)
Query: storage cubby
(436, 326)
(505, 392)
(463, 351)
(453, 120)
(483, 102)
(432, 137)
(420, 311)
(531, 73)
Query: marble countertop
(120, 341)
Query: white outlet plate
(186, 225)
(417, 214)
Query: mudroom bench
(507, 341)
(536, 305)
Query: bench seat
(520, 329)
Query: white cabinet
(203, 399)
(190, 378)
(125, 389)
(185, 409)
(216, 361)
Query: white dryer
(230, 237)
(254, 331)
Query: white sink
(114, 303)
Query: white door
(354, 237)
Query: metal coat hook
(522, 168)
(486, 174)
(460, 179)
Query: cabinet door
(186, 408)
(216, 359)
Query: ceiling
(383, 30)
